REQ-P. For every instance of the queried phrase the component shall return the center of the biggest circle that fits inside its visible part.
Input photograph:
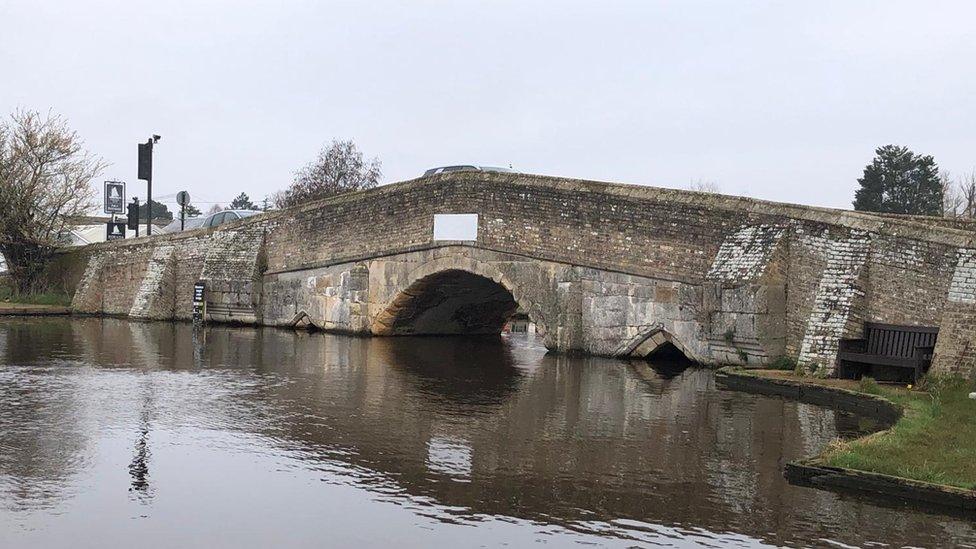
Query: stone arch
(458, 293)
(656, 340)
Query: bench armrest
(924, 352)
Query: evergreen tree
(159, 211)
(242, 202)
(193, 211)
(900, 181)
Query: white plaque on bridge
(455, 226)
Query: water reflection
(139, 467)
(424, 436)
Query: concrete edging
(875, 407)
(812, 473)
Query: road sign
(182, 198)
(115, 231)
(199, 304)
(114, 197)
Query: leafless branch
(45, 178)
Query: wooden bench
(890, 346)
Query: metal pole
(182, 216)
(149, 193)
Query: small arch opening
(667, 352)
(663, 354)
(451, 302)
(668, 361)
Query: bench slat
(880, 360)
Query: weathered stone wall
(606, 269)
(152, 278)
(908, 281)
(745, 297)
(955, 350)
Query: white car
(467, 168)
(211, 220)
(227, 216)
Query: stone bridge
(605, 269)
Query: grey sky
(778, 100)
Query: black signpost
(114, 204)
(114, 230)
(114, 197)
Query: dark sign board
(198, 291)
(115, 231)
(199, 305)
(114, 197)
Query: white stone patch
(92, 271)
(151, 281)
(837, 291)
(909, 256)
(962, 289)
(745, 254)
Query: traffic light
(132, 221)
(145, 160)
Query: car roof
(191, 223)
(466, 167)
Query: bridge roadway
(601, 268)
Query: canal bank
(925, 456)
(29, 309)
(38, 304)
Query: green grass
(783, 363)
(7, 295)
(935, 440)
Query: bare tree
(967, 194)
(45, 178)
(339, 168)
(951, 197)
(960, 195)
(703, 186)
(216, 208)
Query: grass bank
(934, 441)
(8, 295)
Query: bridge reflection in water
(273, 430)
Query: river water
(116, 433)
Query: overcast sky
(778, 100)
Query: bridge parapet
(602, 266)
